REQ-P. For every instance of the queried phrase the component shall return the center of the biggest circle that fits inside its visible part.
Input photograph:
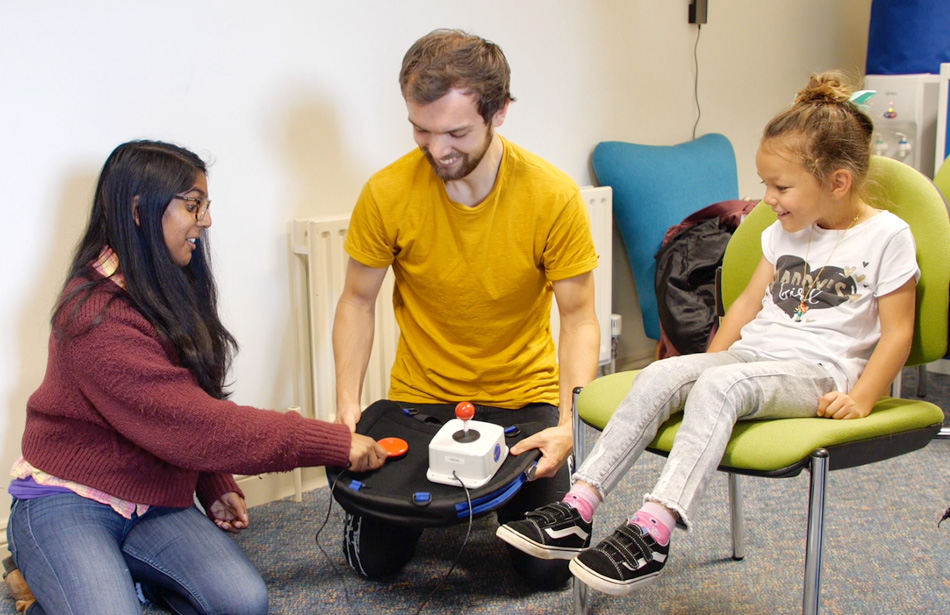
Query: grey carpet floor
(884, 553)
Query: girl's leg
(659, 391)
(636, 553)
(67, 548)
(540, 573)
(561, 530)
(722, 396)
(193, 567)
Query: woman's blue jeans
(81, 557)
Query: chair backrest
(656, 187)
(905, 192)
(942, 178)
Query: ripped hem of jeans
(683, 520)
(597, 486)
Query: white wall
(297, 103)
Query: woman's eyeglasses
(196, 206)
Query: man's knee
(540, 573)
(377, 550)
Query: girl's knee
(657, 369)
(725, 389)
(719, 379)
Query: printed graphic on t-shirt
(796, 290)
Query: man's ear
(499, 118)
(135, 210)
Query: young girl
(131, 421)
(822, 329)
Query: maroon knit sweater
(117, 412)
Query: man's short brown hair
(452, 59)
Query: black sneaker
(628, 558)
(554, 531)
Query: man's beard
(468, 162)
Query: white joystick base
(473, 459)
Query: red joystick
(464, 411)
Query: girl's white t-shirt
(840, 274)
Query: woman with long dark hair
(131, 423)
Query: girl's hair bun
(824, 129)
(825, 88)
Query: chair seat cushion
(765, 446)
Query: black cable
(458, 555)
(346, 593)
(699, 111)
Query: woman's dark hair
(452, 59)
(181, 302)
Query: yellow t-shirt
(473, 284)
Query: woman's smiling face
(180, 226)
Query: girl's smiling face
(793, 193)
(180, 226)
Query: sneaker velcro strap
(550, 513)
(635, 536)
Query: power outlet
(698, 11)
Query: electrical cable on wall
(699, 111)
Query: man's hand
(349, 415)
(555, 444)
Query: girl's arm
(744, 308)
(896, 311)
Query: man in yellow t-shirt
(480, 235)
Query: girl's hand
(229, 513)
(838, 405)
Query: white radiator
(318, 267)
(600, 208)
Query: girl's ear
(135, 210)
(841, 183)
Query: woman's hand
(365, 454)
(229, 513)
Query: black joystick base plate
(465, 438)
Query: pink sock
(583, 499)
(656, 520)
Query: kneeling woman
(131, 421)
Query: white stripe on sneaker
(573, 530)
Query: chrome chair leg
(581, 591)
(580, 446)
(581, 598)
(921, 381)
(815, 539)
(738, 525)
